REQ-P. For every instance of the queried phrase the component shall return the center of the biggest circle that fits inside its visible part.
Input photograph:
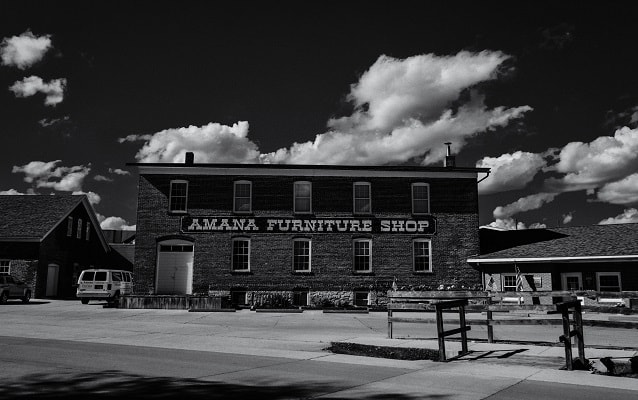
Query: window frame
(250, 197)
(171, 197)
(69, 226)
(355, 257)
(616, 274)
(78, 235)
(298, 294)
(503, 286)
(420, 184)
(354, 298)
(88, 230)
(294, 255)
(355, 198)
(232, 254)
(7, 266)
(294, 198)
(429, 256)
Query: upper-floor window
(79, 231)
(242, 198)
(178, 199)
(88, 230)
(422, 255)
(241, 254)
(362, 255)
(420, 198)
(69, 226)
(301, 254)
(362, 198)
(5, 267)
(303, 197)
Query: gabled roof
(33, 217)
(579, 243)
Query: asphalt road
(57, 349)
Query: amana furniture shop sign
(213, 224)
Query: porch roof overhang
(537, 260)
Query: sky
(545, 94)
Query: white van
(104, 284)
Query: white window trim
(354, 198)
(79, 230)
(170, 197)
(69, 227)
(503, 275)
(306, 294)
(232, 254)
(599, 274)
(428, 199)
(7, 266)
(250, 200)
(429, 242)
(294, 198)
(303, 271)
(354, 256)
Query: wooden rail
(462, 329)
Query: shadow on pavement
(20, 303)
(115, 384)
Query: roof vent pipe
(450, 160)
(189, 158)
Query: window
(362, 200)
(88, 230)
(420, 198)
(422, 255)
(178, 197)
(79, 231)
(300, 298)
(608, 281)
(116, 276)
(69, 226)
(238, 297)
(303, 197)
(301, 255)
(242, 199)
(241, 254)
(362, 250)
(100, 276)
(509, 282)
(361, 299)
(5, 267)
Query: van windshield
(88, 275)
(100, 276)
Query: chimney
(190, 157)
(450, 160)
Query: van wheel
(4, 297)
(85, 301)
(26, 297)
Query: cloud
(629, 216)
(54, 89)
(403, 109)
(509, 171)
(590, 165)
(116, 223)
(45, 123)
(94, 198)
(10, 192)
(527, 203)
(102, 178)
(567, 218)
(118, 171)
(511, 224)
(49, 175)
(24, 50)
(212, 143)
(624, 191)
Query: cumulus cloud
(54, 89)
(115, 223)
(93, 197)
(629, 216)
(10, 192)
(532, 202)
(49, 175)
(403, 109)
(24, 50)
(624, 191)
(102, 178)
(567, 218)
(589, 165)
(118, 171)
(512, 224)
(509, 171)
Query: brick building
(312, 234)
(48, 240)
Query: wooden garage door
(174, 268)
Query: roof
(33, 217)
(579, 243)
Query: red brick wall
(454, 202)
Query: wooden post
(440, 331)
(463, 331)
(389, 322)
(578, 327)
(567, 339)
(490, 328)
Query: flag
(489, 286)
(394, 284)
(519, 279)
